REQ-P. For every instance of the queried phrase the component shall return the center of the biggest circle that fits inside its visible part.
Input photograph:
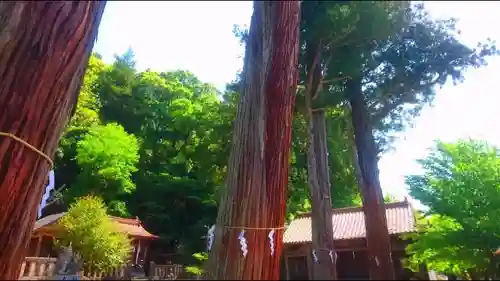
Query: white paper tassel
(315, 258)
(210, 237)
(376, 260)
(46, 195)
(271, 241)
(243, 243)
(333, 256)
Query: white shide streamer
(210, 237)
(271, 241)
(333, 256)
(315, 257)
(46, 195)
(243, 243)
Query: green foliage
(168, 134)
(93, 236)
(86, 115)
(400, 54)
(461, 188)
(87, 108)
(402, 71)
(388, 198)
(181, 129)
(107, 157)
(159, 146)
(397, 50)
(345, 26)
(197, 269)
(184, 130)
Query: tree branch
(403, 92)
(55, 200)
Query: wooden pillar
(38, 245)
(137, 250)
(145, 253)
(53, 251)
(310, 266)
(152, 272)
(287, 269)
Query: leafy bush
(460, 186)
(196, 269)
(93, 235)
(107, 156)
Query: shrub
(94, 236)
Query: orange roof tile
(497, 252)
(349, 223)
(132, 227)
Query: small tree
(461, 188)
(107, 156)
(93, 236)
(197, 269)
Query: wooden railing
(37, 268)
(116, 274)
(169, 272)
(34, 268)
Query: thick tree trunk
(319, 186)
(255, 195)
(44, 50)
(377, 234)
(324, 255)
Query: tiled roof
(47, 220)
(132, 227)
(349, 223)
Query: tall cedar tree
(255, 195)
(44, 51)
(377, 236)
(318, 176)
(320, 190)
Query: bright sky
(197, 36)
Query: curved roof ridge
(132, 227)
(351, 209)
(349, 223)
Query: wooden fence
(169, 272)
(38, 268)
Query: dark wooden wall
(46, 247)
(352, 262)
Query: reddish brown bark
(377, 234)
(318, 174)
(319, 185)
(44, 50)
(255, 195)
